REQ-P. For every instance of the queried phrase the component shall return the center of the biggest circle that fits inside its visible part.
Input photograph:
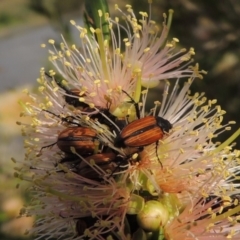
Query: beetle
(83, 139)
(103, 115)
(142, 132)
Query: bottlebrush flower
(86, 184)
(103, 70)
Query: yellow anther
(51, 41)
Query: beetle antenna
(50, 145)
(64, 119)
(134, 103)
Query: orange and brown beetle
(143, 132)
(101, 114)
(83, 139)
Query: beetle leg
(50, 145)
(122, 160)
(119, 160)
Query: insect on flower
(100, 114)
(143, 131)
(83, 139)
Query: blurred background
(211, 27)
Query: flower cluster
(103, 166)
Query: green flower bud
(136, 204)
(153, 216)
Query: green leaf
(92, 18)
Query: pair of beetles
(137, 134)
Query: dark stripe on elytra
(140, 131)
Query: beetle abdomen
(144, 138)
(139, 133)
(84, 145)
(81, 138)
(138, 125)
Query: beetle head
(119, 141)
(164, 124)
